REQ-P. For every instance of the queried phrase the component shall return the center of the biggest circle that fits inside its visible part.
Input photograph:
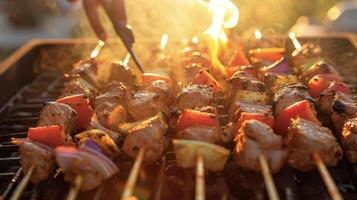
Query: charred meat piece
(86, 69)
(244, 83)
(195, 96)
(344, 107)
(78, 86)
(44, 157)
(191, 71)
(307, 52)
(148, 134)
(120, 73)
(349, 139)
(115, 94)
(239, 107)
(200, 133)
(110, 115)
(288, 95)
(162, 88)
(54, 113)
(255, 138)
(143, 104)
(304, 138)
(274, 80)
(320, 67)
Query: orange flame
(164, 40)
(225, 15)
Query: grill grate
(20, 113)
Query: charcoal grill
(34, 75)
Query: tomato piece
(193, 117)
(320, 82)
(337, 86)
(205, 78)
(271, 54)
(239, 59)
(302, 109)
(51, 135)
(267, 119)
(80, 103)
(151, 77)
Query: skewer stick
(268, 178)
(97, 49)
(130, 184)
(22, 185)
(200, 178)
(160, 186)
(73, 192)
(326, 177)
(126, 60)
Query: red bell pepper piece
(271, 54)
(239, 59)
(302, 109)
(192, 117)
(320, 82)
(80, 103)
(151, 77)
(205, 78)
(337, 86)
(267, 119)
(50, 135)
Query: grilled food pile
(282, 109)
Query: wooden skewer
(22, 185)
(200, 178)
(73, 192)
(268, 178)
(126, 60)
(97, 49)
(130, 183)
(326, 177)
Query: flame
(97, 48)
(225, 15)
(164, 39)
(258, 34)
(295, 41)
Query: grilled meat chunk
(349, 139)
(274, 80)
(163, 89)
(195, 96)
(320, 67)
(115, 94)
(208, 109)
(78, 86)
(244, 83)
(288, 95)
(87, 69)
(255, 138)
(344, 107)
(304, 138)
(44, 157)
(240, 107)
(54, 113)
(200, 133)
(120, 73)
(191, 71)
(143, 104)
(110, 115)
(148, 134)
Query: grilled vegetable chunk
(255, 138)
(148, 134)
(43, 155)
(349, 139)
(304, 138)
(195, 96)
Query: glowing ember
(293, 38)
(225, 15)
(258, 34)
(195, 40)
(164, 39)
(97, 48)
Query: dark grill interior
(22, 110)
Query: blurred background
(23, 20)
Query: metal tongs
(124, 31)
